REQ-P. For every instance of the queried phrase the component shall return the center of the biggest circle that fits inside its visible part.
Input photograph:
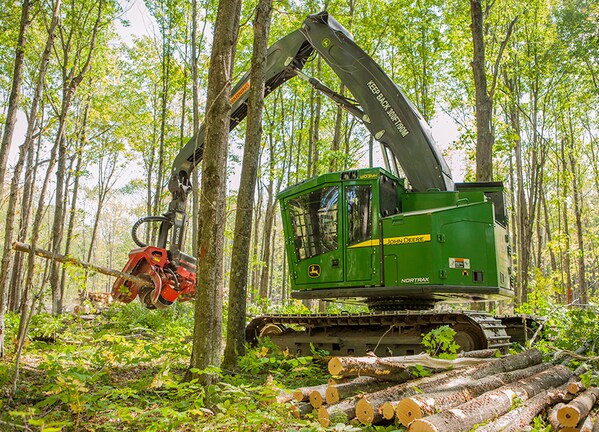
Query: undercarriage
(386, 333)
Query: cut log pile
(426, 394)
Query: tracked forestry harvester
(399, 241)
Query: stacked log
(503, 394)
(571, 414)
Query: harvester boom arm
(384, 110)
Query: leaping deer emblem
(314, 270)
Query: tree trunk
(235, 345)
(491, 404)
(12, 201)
(566, 232)
(582, 282)
(207, 341)
(484, 103)
(196, 115)
(75, 193)
(266, 238)
(15, 93)
(71, 80)
(16, 286)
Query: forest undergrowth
(124, 368)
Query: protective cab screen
(314, 219)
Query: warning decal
(459, 263)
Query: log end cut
(576, 387)
(388, 410)
(316, 399)
(335, 367)
(298, 395)
(323, 417)
(568, 416)
(364, 411)
(422, 425)
(332, 395)
(407, 410)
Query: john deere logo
(326, 42)
(314, 270)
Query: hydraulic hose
(144, 220)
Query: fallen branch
(66, 259)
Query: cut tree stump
(418, 406)
(572, 413)
(520, 417)
(491, 404)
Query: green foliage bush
(439, 342)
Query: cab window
(314, 218)
(359, 213)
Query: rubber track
(492, 328)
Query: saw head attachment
(165, 281)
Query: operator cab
(362, 234)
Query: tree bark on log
(418, 406)
(338, 413)
(446, 381)
(303, 393)
(491, 404)
(484, 353)
(394, 368)
(518, 418)
(301, 409)
(365, 384)
(66, 259)
(571, 414)
(442, 381)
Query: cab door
(316, 255)
(360, 235)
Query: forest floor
(123, 369)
